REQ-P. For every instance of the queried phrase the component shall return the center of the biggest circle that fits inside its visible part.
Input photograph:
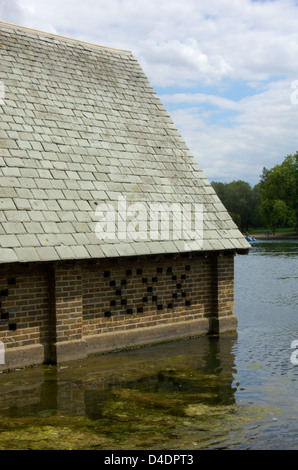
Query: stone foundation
(63, 311)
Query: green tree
(279, 204)
(256, 217)
(264, 175)
(239, 200)
(220, 189)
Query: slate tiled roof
(80, 125)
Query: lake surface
(237, 391)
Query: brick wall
(225, 288)
(54, 304)
(67, 305)
(24, 305)
(222, 318)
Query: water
(238, 391)
(266, 307)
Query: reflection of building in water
(82, 129)
(42, 394)
(220, 365)
(192, 372)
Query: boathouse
(110, 234)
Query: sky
(225, 70)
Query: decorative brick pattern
(123, 295)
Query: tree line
(270, 204)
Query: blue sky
(222, 68)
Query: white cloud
(181, 41)
(10, 11)
(261, 130)
(174, 62)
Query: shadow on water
(236, 391)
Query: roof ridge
(59, 36)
